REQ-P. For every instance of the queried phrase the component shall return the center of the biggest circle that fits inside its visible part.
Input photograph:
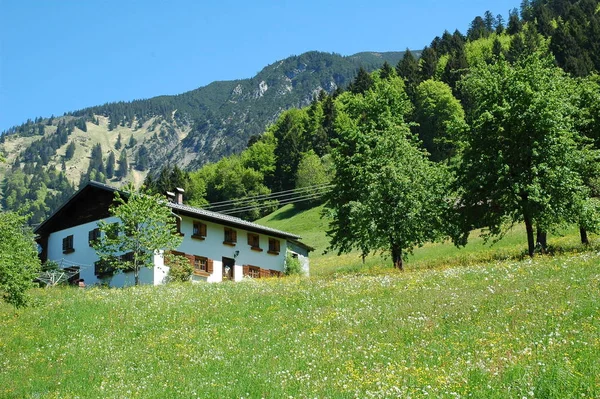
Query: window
(199, 230)
(200, 264)
(178, 224)
(254, 241)
(273, 246)
(254, 271)
(103, 268)
(113, 231)
(93, 235)
(68, 245)
(230, 236)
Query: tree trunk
(542, 240)
(584, 237)
(397, 256)
(136, 274)
(530, 240)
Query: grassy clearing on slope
(309, 225)
(504, 330)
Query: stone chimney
(170, 196)
(179, 195)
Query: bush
(292, 265)
(180, 268)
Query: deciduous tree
(19, 263)
(146, 226)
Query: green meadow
(482, 322)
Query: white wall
(212, 247)
(84, 256)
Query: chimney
(170, 196)
(179, 196)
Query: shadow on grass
(287, 214)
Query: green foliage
(313, 173)
(387, 196)
(70, 151)
(19, 263)
(440, 117)
(146, 226)
(293, 267)
(521, 155)
(180, 268)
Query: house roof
(69, 214)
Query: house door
(228, 266)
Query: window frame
(67, 244)
(230, 236)
(200, 228)
(274, 246)
(254, 238)
(93, 235)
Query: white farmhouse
(220, 247)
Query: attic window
(274, 246)
(230, 236)
(67, 245)
(199, 230)
(254, 242)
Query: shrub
(292, 265)
(180, 267)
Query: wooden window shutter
(65, 244)
(234, 235)
(209, 265)
(202, 229)
(190, 259)
(246, 270)
(264, 273)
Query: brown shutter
(190, 259)
(209, 265)
(250, 239)
(264, 273)
(246, 270)
(202, 229)
(234, 235)
(277, 245)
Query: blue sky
(64, 55)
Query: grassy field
(507, 329)
(311, 227)
(477, 322)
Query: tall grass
(506, 329)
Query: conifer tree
(123, 165)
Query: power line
(284, 202)
(265, 197)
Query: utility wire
(265, 197)
(314, 194)
(284, 202)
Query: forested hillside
(485, 130)
(297, 150)
(47, 158)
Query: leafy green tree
(290, 132)
(19, 262)
(440, 117)
(146, 226)
(387, 195)
(520, 161)
(313, 174)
